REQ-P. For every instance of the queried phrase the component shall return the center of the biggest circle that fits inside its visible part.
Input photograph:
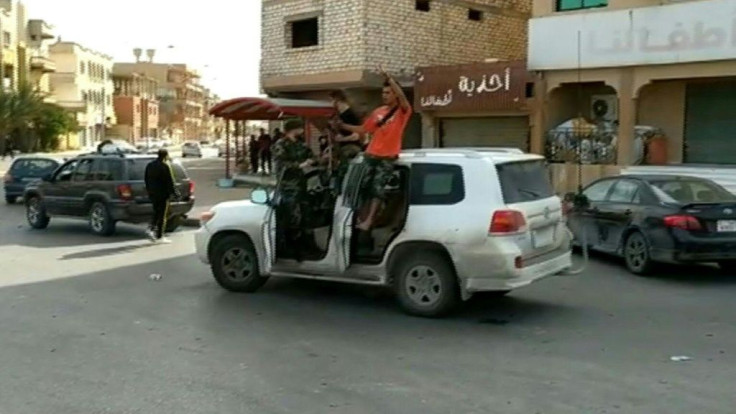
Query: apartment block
(83, 84)
(180, 96)
(136, 105)
(310, 47)
(40, 65)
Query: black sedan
(648, 219)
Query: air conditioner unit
(604, 107)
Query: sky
(221, 38)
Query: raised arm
(403, 101)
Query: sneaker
(164, 240)
(151, 235)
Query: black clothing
(266, 159)
(160, 187)
(349, 117)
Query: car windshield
(524, 181)
(691, 191)
(137, 169)
(35, 167)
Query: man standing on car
(161, 187)
(387, 124)
(292, 155)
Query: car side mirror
(259, 196)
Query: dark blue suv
(25, 170)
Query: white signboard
(689, 32)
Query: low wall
(565, 176)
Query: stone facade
(355, 35)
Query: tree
(31, 123)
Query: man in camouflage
(292, 155)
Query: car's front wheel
(235, 264)
(36, 213)
(426, 285)
(637, 255)
(100, 221)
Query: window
(7, 39)
(65, 172)
(422, 5)
(565, 5)
(30, 167)
(84, 171)
(109, 170)
(436, 184)
(137, 168)
(475, 15)
(625, 191)
(81, 67)
(524, 181)
(598, 191)
(691, 191)
(305, 33)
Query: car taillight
(191, 187)
(507, 222)
(125, 192)
(683, 221)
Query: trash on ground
(155, 277)
(680, 358)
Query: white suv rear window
(524, 181)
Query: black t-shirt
(351, 118)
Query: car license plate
(543, 237)
(726, 226)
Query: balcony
(43, 64)
(40, 30)
(74, 106)
(673, 33)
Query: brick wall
(357, 34)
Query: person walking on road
(161, 188)
(253, 153)
(264, 148)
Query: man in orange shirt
(387, 124)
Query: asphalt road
(85, 330)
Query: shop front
(474, 105)
(636, 77)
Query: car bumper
(15, 189)
(138, 213)
(525, 276)
(201, 243)
(682, 247)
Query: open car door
(346, 206)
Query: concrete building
(13, 47)
(310, 47)
(181, 97)
(639, 63)
(40, 65)
(136, 105)
(83, 83)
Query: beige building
(310, 47)
(40, 65)
(83, 83)
(181, 97)
(136, 105)
(637, 64)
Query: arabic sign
(471, 88)
(687, 32)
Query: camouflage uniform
(346, 153)
(289, 155)
(379, 173)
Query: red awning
(243, 109)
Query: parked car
(25, 170)
(456, 222)
(104, 189)
(649, 219)
(191, 149)
(222, 148)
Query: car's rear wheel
(100, 221)
(235, 264)
(637, 255)
(36, 213)
(10, 199)
(426, 285)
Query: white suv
(456, 222)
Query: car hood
(237, 214)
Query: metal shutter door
(510, 131)
(710, 123)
